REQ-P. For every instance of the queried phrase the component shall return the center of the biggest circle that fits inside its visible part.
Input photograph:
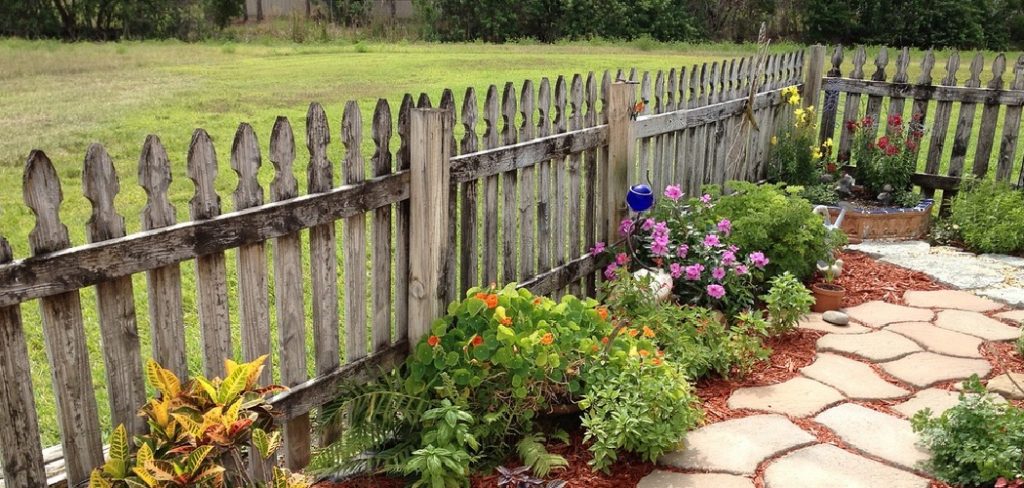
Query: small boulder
(836, 317)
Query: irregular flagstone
(854, 379)
(798, 397)
(815, 322)
(876, 346)
(957, 299)
(939, 340)
(960, 270)
(828, 465)
(1008, 385)
(924, 369)
(977, 325)
(875, 433)
(1004, 259)
(737, 446)
(1016, 316)
(1010, 295)
(892, 248)
(877, 314)
(936, 399)
(669, 479)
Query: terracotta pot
(827, 296)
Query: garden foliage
(889, 161)
(798, 159)
(989, 216)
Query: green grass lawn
(62, 97)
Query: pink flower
(705, 199)
(742, 269)
(711, 240)
(660, 248)
(682, 250)
(675, 269)
(716, 291)
(672, 192)
(609, 272)
(693, 271)
(718, 273)
(621, 259)
(733, 248)
(626, 227)
(598, 248)
(661, 228)
(728, 257)
(648, 224)
(758, 259)
(725, 227)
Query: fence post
(429, 156)
(621, 154)
(812, 76)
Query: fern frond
(533, 454)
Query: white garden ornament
(661, 282)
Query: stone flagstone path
(889, 353)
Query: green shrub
(990, 216)
(777, 221)
(787, 302)
(976, 442)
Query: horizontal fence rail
(515, 185)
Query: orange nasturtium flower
(594, 348)
(602, 312)
(648, 332)
(645, 352)
(656, 362)
(633, 332)
(536, 301)
(547, 339)
(433, 340)
(604, 340)
(506, 321)
(477, 340)
(481, 295)
(492, 300)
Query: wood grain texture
(115, 299)
(620, 154)
(1011, 127)
(288, 294)
(940, 122)
(403, 212)
(323, 257)
(545, 241)
(965, 123)
(590, 182)
(830, 104)
(874, 105)
(574, 169)
(451, 291)
(63, 329)
(527, 187)
(382, 249)
(509, 189)
(491, 245)
(896, 102)
(211, 269)
(19, 432)
(851, 111)
(469, 255)
(355, 238)
(559, 178)
(989, 119)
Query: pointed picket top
(470, 141)
(42, 193)
(1018, 74)
(559, 121)
(681, 101)
(927, 64)
(490, 137)
(591, 99)
(606, 84)
(619, 76)
(880, 63)
(282, 156)
(448, 104)
(544, 108)
(670, 90)
(998, 68)
(732, 79)
(100, 184)
(528, 129)
(155, 178)
(381, 133)
(202, 170)
(902, 63)
(645, 92)
(713, 90)
(659, 92)
(246, 161)
(402, 160)
(424, 101)
(508, 114)
(352, 138)
(632, 74)
(977, 64)
(742, 75)
(320, 172)
(576, 103)
(860, 56)
(952, 65)
(837, 61)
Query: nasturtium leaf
(475, 305)
(451, 359)
(542, 361)
(424, 353)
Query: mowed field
(62, 97)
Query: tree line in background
(974, 24)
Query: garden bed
(886, 222)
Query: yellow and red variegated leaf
(161, 470)
(144, 475)
(195, 459)
(162, 379)
(238, 427)
(208, 388)
(255, 368)
(132, 483)
(96, 480)
(144, 455)
(191, 426)
(233, 385)
(212, 476)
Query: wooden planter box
(900, 223)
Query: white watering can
(827, 217)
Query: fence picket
(403, 212)
(469, 245)
(874, 105)
(22, 454)
(575, 177)
(962, 136)
(989, 118)
(560, 177)
(211, 269)
(545, 241)
(644, 164)
(896, 103)
(697, 135)
(115, 299)
(527, 188)
(940, 123)
(682, 161)
(919, 111)
(382, 251)
(590, 180)
(355, 237)
(166, 318)
(1011, 127)
(63, 329)
(323, 256)
(830, 103)
(491, 140)
(451, 290)
(602, 156)
(658, 142)
(509, 188)
(851, 111)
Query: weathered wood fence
(535, 180)
(955, 143)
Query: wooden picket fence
(858, 91)
(523, 199)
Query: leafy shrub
(886, 165)
(990, 216)
(195, 432)
(777, 221)
(976, 442)
(787, 302)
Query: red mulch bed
(866, 279)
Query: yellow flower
(816, 153)
(799, 113)
(827, 143)
(794, 99)
(775, 140)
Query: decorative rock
(828, 465)
(1009, 385)
(956, 299)
(924, 369)
(815, 321)
(798, 397)
(1015, 316)
(737, 446)
(874, 433)
(977, 325)
(854, 379)
(876, 346)
(1004, 259)
(877, 314)
(960, 270)
(669, 479)
(939, 340)
(1010, 295)
(835, 317)
(892, 248)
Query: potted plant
(829, 295)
